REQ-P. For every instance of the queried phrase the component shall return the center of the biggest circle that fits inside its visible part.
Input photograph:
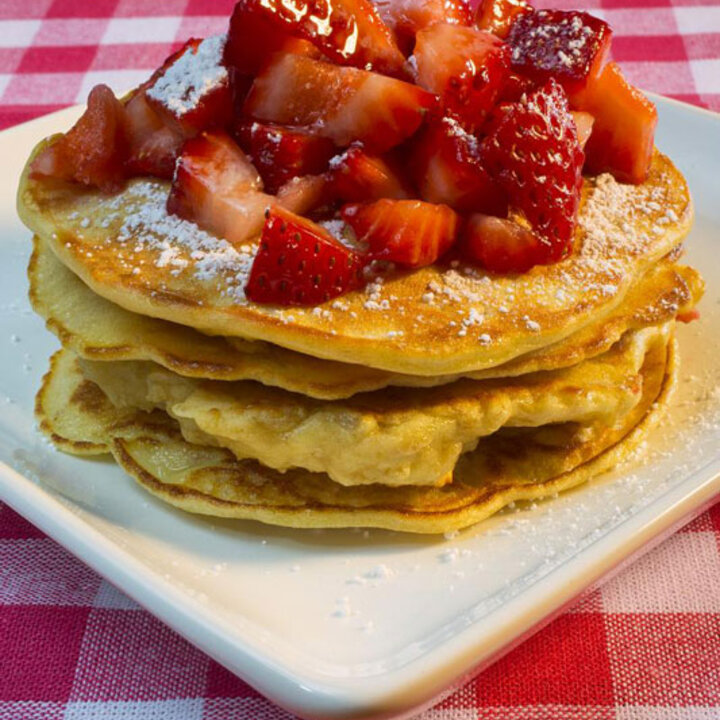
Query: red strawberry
(408, 232)
(154, 146)
(192, 89)
(356, 176)
(571, 47)
(348, 32)
(280, 153)
(340, 103)
(623, 135)
(501, 245)
(466, 67)
(300, 263)
(448, 169)
(497, 16)
(515, 87)
(216, 186)
(407, 17)
(301, 195)
(93, 152)
(535, 156)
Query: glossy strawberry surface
(534, 154)
(340, 103)
(497, 16)
(569, 46)
(411, 233)
(300, 263)
(465, 67)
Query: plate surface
(362, 624)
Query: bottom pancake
(511, 465)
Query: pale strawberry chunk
(192, 90)
(340, 103)
(301, 195)
(497, 16)
(584, 122)
(93, 152)
(466, 67)
(216, 186)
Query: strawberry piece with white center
(154, 146)
(407, 232)
(571, 47)
(280, 153)
(348, 32)
(192, 90)
(302, 195)
(466, 67)
(407, 17)
(584, 122)
(216, 186)
(356, 176)
(300, 263)
(93, 152)
(534, 154)
(500, 245)
(448, 169)
(497, 16)
(623, 135)
(340, 103)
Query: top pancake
(436, 320)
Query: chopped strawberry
(497, 16)
(571, 47)
(94, 150)
(300, 263)
(340, 103)
(302, 195)
(280, 153)
(407, 17)
(448, 169)
(356, 176)
(516, 85)
(623, 135)
(216, 186)
(535, 156)
(584, 122)
(153, 145)
(348, 32)
(466, 67)
(192, 90)
(501, 245)
(408, 232)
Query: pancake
(433, 321)
(528, 465)
(396, 436)
(97, 329)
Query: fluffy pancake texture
(520, 464)
(433, 321)
(396, 436)
(96, 329)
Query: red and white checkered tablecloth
(644, 647)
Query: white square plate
(362, 624)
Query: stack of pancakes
(424, 402)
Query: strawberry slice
(407, 17)
(348, 32)
(571, 47)
(497, 16)
(623, 135)
(534, 155)
(408, 232)
(301, 195)
(466, 67)
(448, 169)
(191, 92)
(340, 103)
(280, 153)
(501, 245)
(216, 186)
(94, 150)
(356, 176)
(154, 146)
(584, 122)
(300, 263)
